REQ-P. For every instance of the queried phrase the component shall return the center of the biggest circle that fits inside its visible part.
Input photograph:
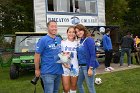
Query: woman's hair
(83, 28)
(70, 28)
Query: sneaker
(107, 69)
(110, 68)
(129, 66)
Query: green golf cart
(23, 57)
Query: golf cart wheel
(14, 72)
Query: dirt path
(116, 67)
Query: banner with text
(65, 20)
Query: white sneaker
(129, 66)
(110, 68)
(107, 69)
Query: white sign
(66, 20)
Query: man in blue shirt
(46, 57)
(107, 45)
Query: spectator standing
(126, 46)
(107, 46)
(86, 53)
(133, 48)
(46, 57)
(136, 41)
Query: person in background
(126, 47)
(136, 41)
(107, 46)
(46, 57)
(69, 78)
(86, 53)
(132, 49)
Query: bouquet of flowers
(65, 58)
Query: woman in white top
(70, 76)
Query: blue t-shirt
(49, 48)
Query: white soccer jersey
(69, 46)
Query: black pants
(108, 58)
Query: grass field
(127, 81)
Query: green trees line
(125, 13)
(15, 16)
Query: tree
(115, 10)
(132, 17)
(15, 16)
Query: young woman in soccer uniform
(70, 76)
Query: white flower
(64, 57)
